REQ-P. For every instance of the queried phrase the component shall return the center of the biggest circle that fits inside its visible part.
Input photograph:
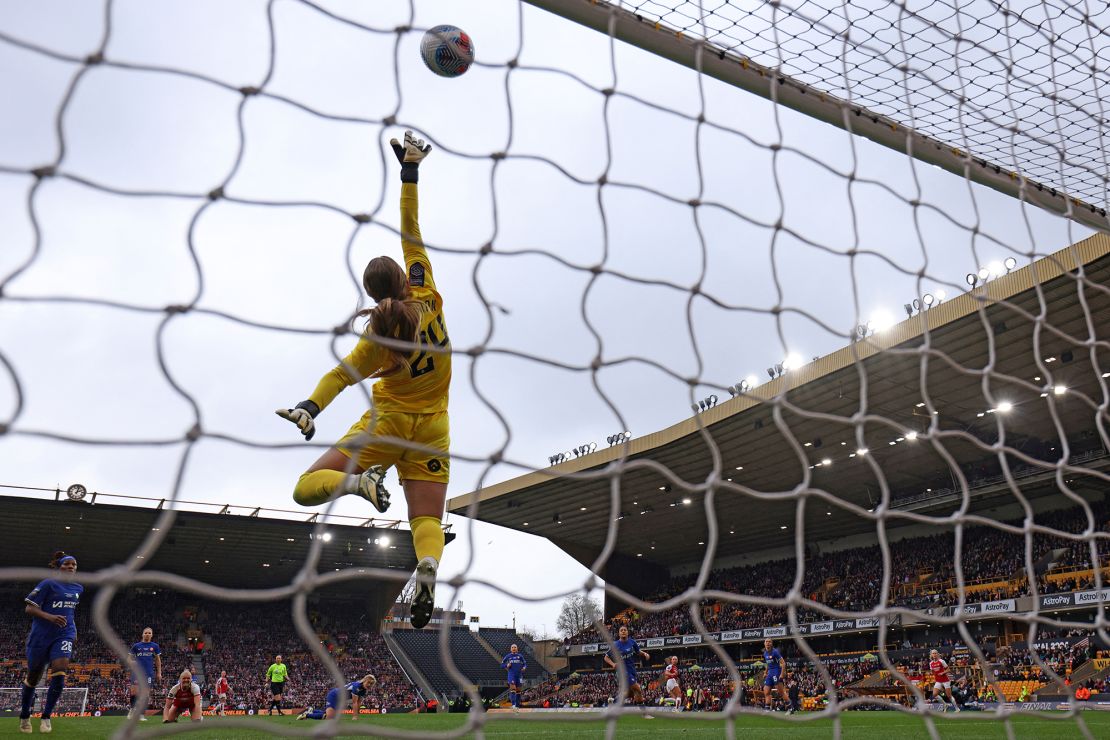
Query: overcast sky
(93, 372)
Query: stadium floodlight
(984, 274)
(793, 361)
(881, 320)
(941, 295)
(826, 461)
(862, 451)
(911, 435)
(686, 500)
(1059, 390)
(972, 279)
(1010, 263)
(383, 541)
(996, 268)
(928, 299)
(751, 381)
(326, 536)
(909, 309)
(1005, 407)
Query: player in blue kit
(775, 676)
(50, 643)
(629, 650)
(515, 664)
(149, 657)
(357, 690)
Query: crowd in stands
(922, 576)
(241, 639)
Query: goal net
(830, 277)
(72, 701)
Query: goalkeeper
(405, 348)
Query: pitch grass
(877, 725)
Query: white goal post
(72, 701)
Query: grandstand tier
(663, 525)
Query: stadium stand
(470, 657)
(849, 579)
(239, 638)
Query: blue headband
(65, 558)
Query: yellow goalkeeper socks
(319, 487)
(427, 537)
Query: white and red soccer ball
(447, 50)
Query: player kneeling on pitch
(357, 690)
(183, 697)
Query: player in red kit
(223, 688)
(670, 677)
(941, 680)
(183, 697)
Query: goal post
(651, 34)
(74, 700)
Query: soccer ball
(447, 50)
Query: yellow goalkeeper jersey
(421, 386)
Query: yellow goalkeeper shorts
(378, 446)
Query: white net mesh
(72, 701)
(673, 235)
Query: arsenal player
(222, 690)
(183, 697)
(670, 674)
(941, 680)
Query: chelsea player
(406, 350)
(149, 657)
(629, 650)
(356, 690)
(514, 663)
(775, 676)
(51, 604)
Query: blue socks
(315, 714)
(28, 701)
(57, 683)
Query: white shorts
(221, 697)
(672, 684)
(942, 685)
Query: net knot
(513, 63)
(44, 171)
(603, 179)
(175, 308)
(497, 156)
(339, 330)
(95, 58)
(694, 202)
(486, 248)
(607, 91)
(216, 193)
(194, 433)
(362, 218)
(249, 90)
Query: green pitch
(878, 725)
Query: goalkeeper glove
(410, 155)
(302, 415)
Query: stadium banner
(1055, 601)
(867, 622)
(816, 627)
(655, 642)
(738, 635)
(844, 624)
(801, 629)
(672, 641)
(691, 639)
(774, 632)
(592, 647)
(1092, 597)
(985, 607)
(752, 634)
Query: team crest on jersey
(416, 275)
(434, 465)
